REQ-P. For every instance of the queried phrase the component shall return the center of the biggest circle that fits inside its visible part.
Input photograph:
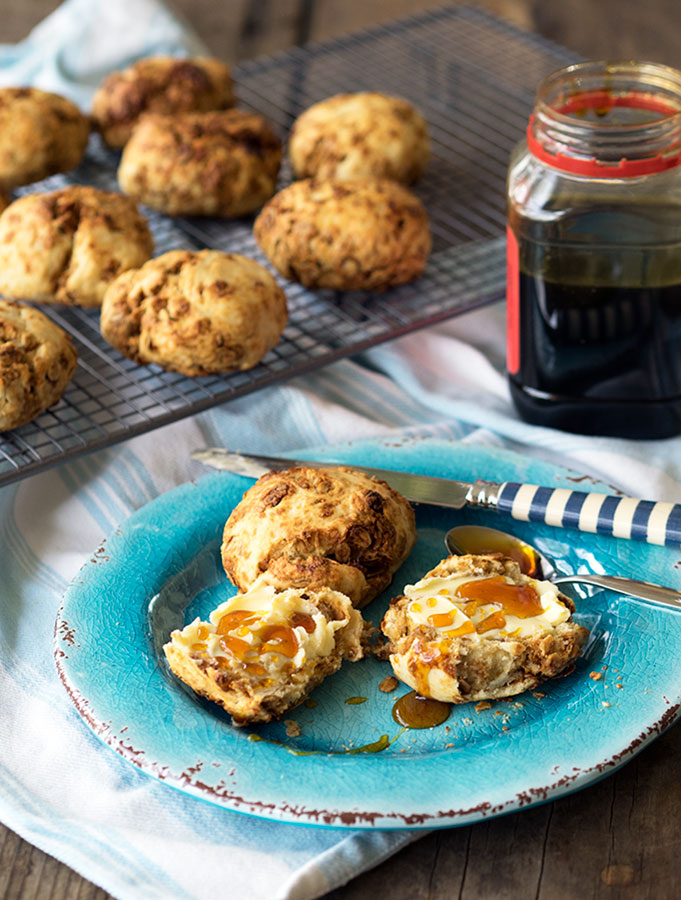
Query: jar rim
(650, 75)
(574, 128)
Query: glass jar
(594, 253)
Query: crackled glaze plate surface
(161, 568)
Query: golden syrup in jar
(594, 253)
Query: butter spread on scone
(201, 164)
(197, 313)
(477, 628)
(67, 246)
(310, 528)
(40, 134)
(37, 361)
(363, 234)
(362, 135)
(263, 651)
(161, 84)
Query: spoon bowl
(479, 539)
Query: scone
(311, 528)
(37, 360)
(40, 134)
(364, 135)
(262, 652)
(201, 164)
(476, 628)
(197, 313)
(68, 245)
(160, 84)
(346, 235)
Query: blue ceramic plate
(161, 569)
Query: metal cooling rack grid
(472, 76)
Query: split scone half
(308, 529)
(263, 651)
(477, 628)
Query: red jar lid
(601, 102)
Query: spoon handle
(644, 590)
(625, 517)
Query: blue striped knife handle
(625, 517)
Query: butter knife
(622, 517)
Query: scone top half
(161, 84)
(362, 135)
(477, 628)
(263, 651)
(308, 528)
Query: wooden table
(618, 839)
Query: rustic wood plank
(242, 29)
(26, 873)
(329, 18)
(615, 29)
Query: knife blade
(625, 517)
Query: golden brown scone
(346, 235)
(37, 360)
(201, 164)
(476, 628)
(312, 528)
(363, 135)
(197, 313)
(40, 134)
(160, 84)
(262, 652)
(68, 245)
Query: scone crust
(204, 164)
(334, 527)
(362, 135)
(345, 235)
(248, 698)
(476, 667)
(67, 246)
(197, 313)
(159, 84)
(37, 360)
(40, 134)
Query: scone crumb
(596, 676)
(292, 728)
(538, 694)
(448, 745)
(388, 684)
(479, 707)
(310, 703)
(605, 703)
(467, 721)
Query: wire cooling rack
(472, 76)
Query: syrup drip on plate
(414, 711)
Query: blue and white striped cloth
(60, 787)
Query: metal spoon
(479, 539)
